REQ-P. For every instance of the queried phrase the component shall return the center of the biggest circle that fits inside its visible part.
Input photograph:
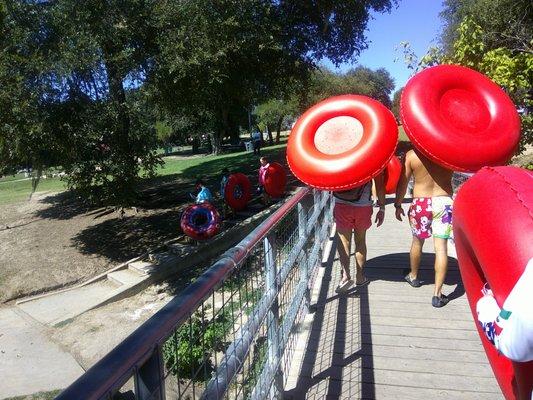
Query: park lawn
(192, 167)
(10, 178)
(202, 166)
(15, 191)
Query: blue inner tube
(201, 219)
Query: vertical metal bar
(269, 246)
(304, 266)
(316, 205)
(149, 381)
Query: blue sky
(415, 21)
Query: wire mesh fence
(227, 336)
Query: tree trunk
(278, 129)
(270, 138)
(124, 182)
(35, 179)
(216, 142)
(195, 144)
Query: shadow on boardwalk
(385, 340)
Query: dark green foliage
(225, 56)
(82, 83)
(396, 104)
(64, 72)
(193, 343)
(377, 84)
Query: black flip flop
(413, 282)
(439, 302)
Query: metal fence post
(304, 265)
(317, 199)
(149, 381)
(271, 283)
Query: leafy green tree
(377, 84)
(396, 104)
(271, 114)
(225, 56)
(68, 75)
(511, 69)
(505, 23)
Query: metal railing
(228, 334)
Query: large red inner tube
(238, 191)
(200, 221)
(342, 142)
(392, 175)
(275, 180)
(493, 230)
(459, 118)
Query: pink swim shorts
(350, 217)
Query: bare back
(430, 179)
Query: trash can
(248, 146)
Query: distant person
(430, 215)
(353, 216)
(256, 142)
(223, 182)
(262, 174)
(204, 194)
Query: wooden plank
(412, 353)
(385, 340)
(330, 389)
(392, 363)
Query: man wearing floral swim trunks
(430, 214)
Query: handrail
(117, 367)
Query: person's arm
(380, 192)
(401, 189)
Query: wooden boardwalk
(385, 340)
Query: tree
(68, 76)
(505, 23)
(226, 56)
(377, 84)
(396, 104)
(510, 68)
(272, 113)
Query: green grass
(12, 192)
(190, 168)
(10, 178)
(211, 165)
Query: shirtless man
(430, 214)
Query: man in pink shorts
(353, 213)
(430, 215)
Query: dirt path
(51, 241)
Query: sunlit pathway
(385, 340)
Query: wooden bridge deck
(385, 340)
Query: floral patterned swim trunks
(431, 216)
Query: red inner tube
(342, 142)
(459, 118)
(494, 247)
(200, 221)
(275, 180)
(238, 191)
(392, 175)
